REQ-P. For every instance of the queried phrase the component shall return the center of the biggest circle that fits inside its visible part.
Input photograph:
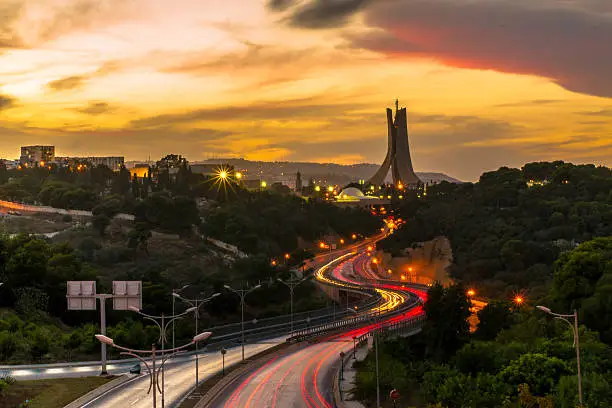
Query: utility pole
(160, 322)
(242, 293)
(291, 284)
(195, 303)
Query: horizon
(309, 81)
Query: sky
(487, 83)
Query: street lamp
(223, 351)
(194, 303)
(574, 327)
(163, 338)
(152, 370)
(291, 284)
(174, 292)
(242, 293)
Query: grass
(49, 393)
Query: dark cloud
(528, 103)
(78, 81)
(562, 41)
(602, 112)
(67, 83)
(325, 13)
(563, 44)
(6, 102)
(285, 110)
(255, 56)
(280, 5)
(96, 108)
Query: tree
(446, 328)
(537, 370)
(493, 318)
(100, 223)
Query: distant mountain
(319, 172)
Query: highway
(179, 378)
(302, 376)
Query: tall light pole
(574, 327)
(194, 303)
(152, 370)
(162, 324)
(242, 293)
(175, 292)
(291, 284)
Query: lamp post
(152, 370)
(175, 292)
(194, 303)
(223, 352)
(355, 347)
(574, 327)
(242, 293)
(291, 284)
(162, 324)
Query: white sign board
(81, 295)
(127, 294)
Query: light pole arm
(142, 360)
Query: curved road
(301, 376)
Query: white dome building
(354, 196)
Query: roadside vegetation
(165, 247)
(543, 233)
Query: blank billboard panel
(81, 295)
(127, 294)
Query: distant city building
(352, 196)
(253, 184)
(205, 169)
(298, 183)
(140, 170)
(171, 161)
(37, 155)
(112, 162)
(398, 152)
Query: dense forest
(165, 247)
(544, 232)
(518, 356)
(507, 229)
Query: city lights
(354, 236)
(238, 176)
(341, 241)
(471, 292)
(264, 184)
(519, 300)
(287, 256)
(317, 188)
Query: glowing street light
(354, 236)
(287, 256)
(370, 248)
(471, 292)
(317, 188)
(322, 245)
(330, 189)
(223, 174)
(238, 176)
(264, 184)
(273, 262)
(519, 300)
(341, 241)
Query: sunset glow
(242, 78)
